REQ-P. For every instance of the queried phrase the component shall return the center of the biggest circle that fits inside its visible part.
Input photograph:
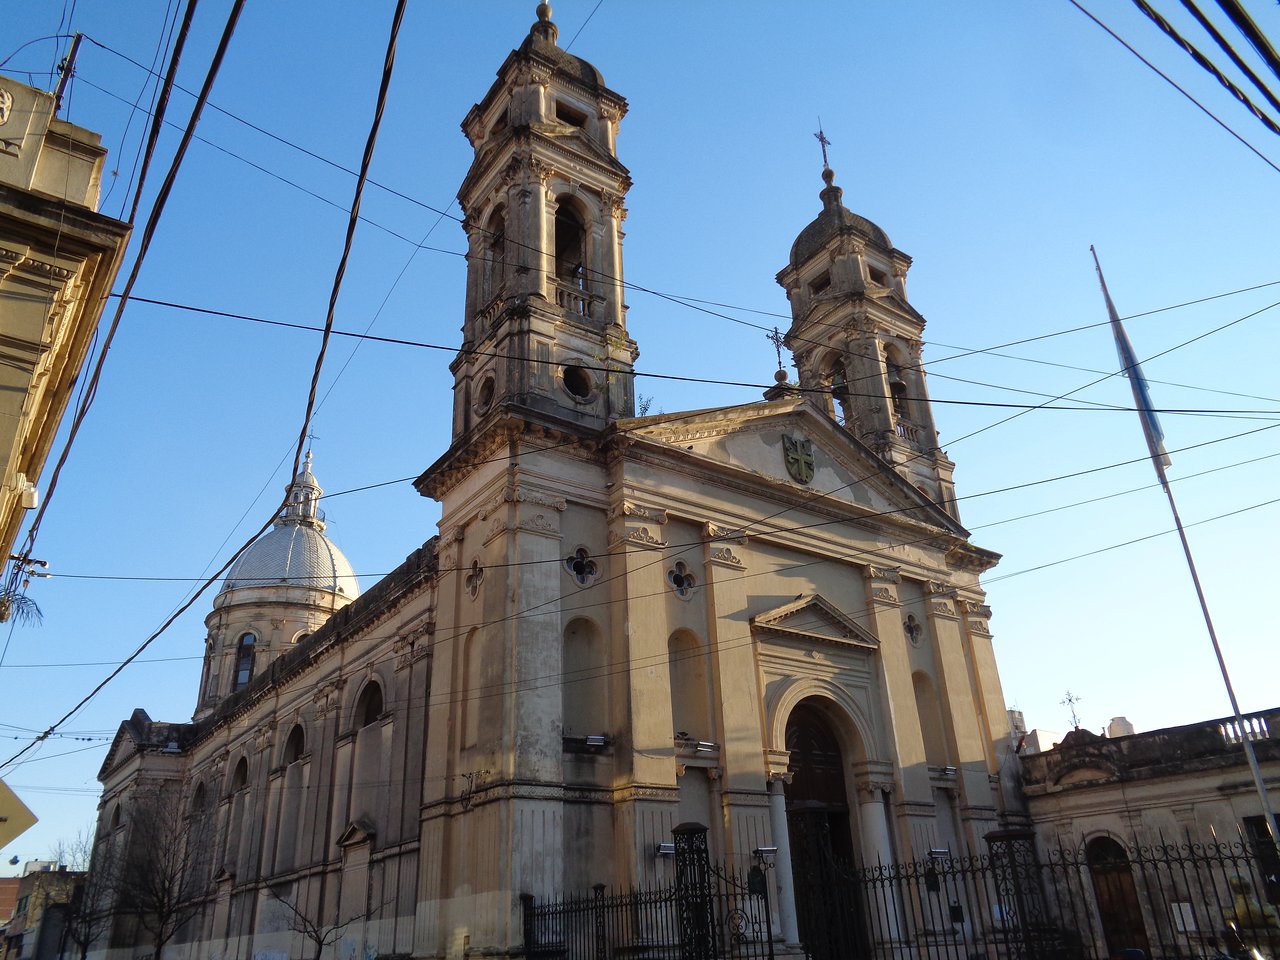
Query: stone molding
(637, 537)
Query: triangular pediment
(813, 619)
(791, 446)
(356, 833)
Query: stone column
(784, 878)
(877, 849)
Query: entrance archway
(817, 802)
(828, 903)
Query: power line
(1025, 485)
(1208, 27)
(1165, 77)
(1092, 406)
(1204, 62)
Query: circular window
(484, 396)
(577, 381)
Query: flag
(1137, 382)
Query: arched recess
(470, 691)
(295, 746)
(1119, 910)
(368, 787)
(495, 253)
(933, 728)
(237, 834)
(292, 790)
(572, 234)
(690, 686)
(584, 689)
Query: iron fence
(1104, 899)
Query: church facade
(765, 618)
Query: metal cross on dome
(822, 139)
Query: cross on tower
(776, 339)
(822, 139)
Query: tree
(318, 933)
(164, 873)
(94, 894)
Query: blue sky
(994, 142)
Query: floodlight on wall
(939, 853)
(665, 850)
(949, 771)
(765, 854)
(596, 740)
(706, 746)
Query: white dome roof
(295, 552)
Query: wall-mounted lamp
(706, 746)
(665, 850)
(765, 854)
(948, 771)
(596, 740)
(939, 853)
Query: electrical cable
(1092, 406)
(353, 220)
(145, 243)
(1257, 39)
(1207, 25)
(1206, 64)
(1164, 76)
(1024, 485)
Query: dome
(542, 42)
(295, 551)
(835, 219)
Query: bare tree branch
(165, 874)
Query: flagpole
(1160, 460)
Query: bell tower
(856, 341)
(544, 335)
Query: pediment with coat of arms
(814, 619)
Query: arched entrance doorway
(828, 907)
(1118, 909)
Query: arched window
(115, 818)
(295, 746)
(369, 706)
(244, 661)
(571, 246)
(199, 800)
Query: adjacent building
(58, 259)
(766, 619)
